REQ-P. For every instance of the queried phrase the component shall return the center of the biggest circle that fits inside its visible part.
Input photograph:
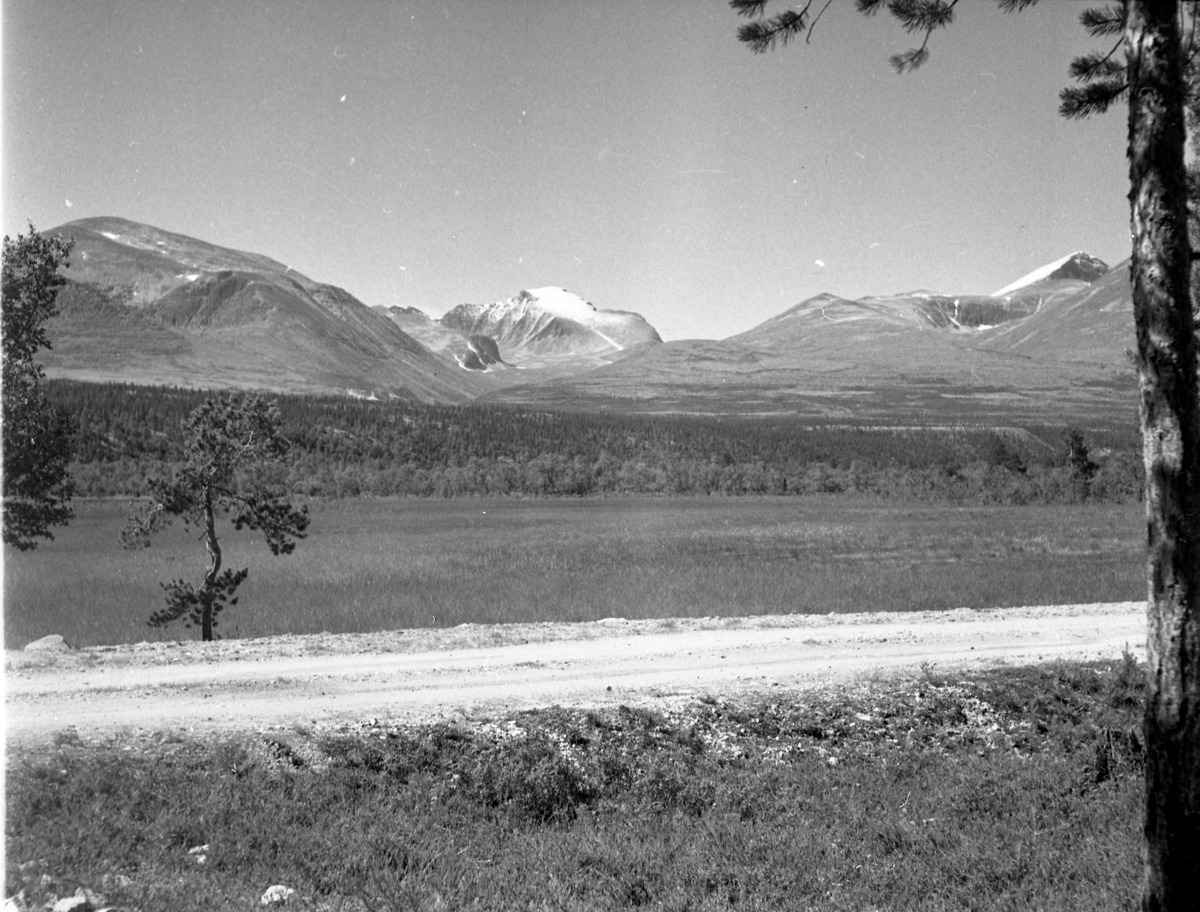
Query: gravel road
(477, 670)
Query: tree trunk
(1170, 436)
(214, 566)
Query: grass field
(1020, 788)
(391, 564)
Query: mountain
(145, 305)
(149, 306)
(546, 327)
(1048, 349)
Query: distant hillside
(150, 306)
(917, 357)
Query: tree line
(337, 447)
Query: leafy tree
(1158, 52)
(38, 438)
(229, 444)
(1079, 457)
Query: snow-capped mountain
(1078, 266)
(1049, 349)
(539, 326)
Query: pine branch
(910, 59)
(762, 35)
(1078, 102)
(749, 8)
(1104, 22)
(1091, 67)
(923, 15)
(919, 16)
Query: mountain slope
(1094, 325)
(469, 352)
(150, 306)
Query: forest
(348, 447)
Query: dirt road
(479, 670)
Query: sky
(429, 154)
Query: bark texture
(1171, 437)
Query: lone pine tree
(229, 443)
(1160, 58)
(38, 438)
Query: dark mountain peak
(1081, 266)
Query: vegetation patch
(1016, 788)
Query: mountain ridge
(149, 306)
(907, 357)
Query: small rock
(199, 854)
(16, 903)
(52, 643)
(277, 895)
(80, 902)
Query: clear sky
(434, 153)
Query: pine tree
(1153, 77)
(230, 441)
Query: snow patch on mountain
(550, 322)
(1036, 276)
(560, 302)
(1077, 265)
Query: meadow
(1018, 788)
(375, 564)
